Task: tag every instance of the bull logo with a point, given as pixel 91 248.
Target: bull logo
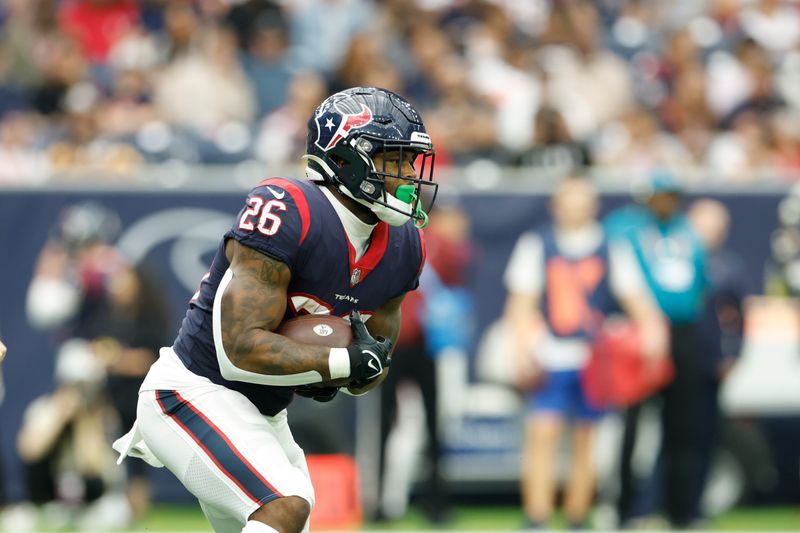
pixel 334 126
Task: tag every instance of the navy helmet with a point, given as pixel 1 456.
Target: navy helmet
pixel 349 128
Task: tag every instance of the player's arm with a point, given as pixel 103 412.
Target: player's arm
pixel 650 322
pixel 524 280
pixel 633 295
pixel 384 323
pixel 249 306
pixel 526 327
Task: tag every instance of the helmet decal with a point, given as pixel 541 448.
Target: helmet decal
pixel 328 130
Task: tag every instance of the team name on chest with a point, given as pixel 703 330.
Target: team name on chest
pixel 346 298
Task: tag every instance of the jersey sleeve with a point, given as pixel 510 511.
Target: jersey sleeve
pixel 274 220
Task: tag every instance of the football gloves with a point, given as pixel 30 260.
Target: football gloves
pixel 368 355
pixel 317 393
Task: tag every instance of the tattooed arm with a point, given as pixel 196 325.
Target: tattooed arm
pixel 249 306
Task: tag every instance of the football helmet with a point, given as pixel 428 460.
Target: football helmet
pixel 349 128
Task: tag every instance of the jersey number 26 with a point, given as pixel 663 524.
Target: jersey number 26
pixel 268 222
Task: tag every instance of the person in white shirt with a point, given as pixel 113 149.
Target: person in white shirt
pixel 562 279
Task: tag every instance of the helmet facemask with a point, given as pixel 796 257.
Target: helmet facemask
pixel 414 197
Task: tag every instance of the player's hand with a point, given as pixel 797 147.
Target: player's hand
pixel 317 393
pixel 368 355
pixel 2 351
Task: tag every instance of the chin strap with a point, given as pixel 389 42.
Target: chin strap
pixel 408 194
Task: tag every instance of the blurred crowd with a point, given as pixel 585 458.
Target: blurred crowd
pixel 104 87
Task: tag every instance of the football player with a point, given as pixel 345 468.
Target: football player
pixel 345 242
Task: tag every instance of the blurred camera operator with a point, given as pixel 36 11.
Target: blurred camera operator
pixel 85 291
pixel 63 445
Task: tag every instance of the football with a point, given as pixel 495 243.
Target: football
pixel 319 330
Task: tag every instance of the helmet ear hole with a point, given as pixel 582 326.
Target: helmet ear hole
pixel 353 170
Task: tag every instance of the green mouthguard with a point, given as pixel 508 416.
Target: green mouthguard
pixel 408 195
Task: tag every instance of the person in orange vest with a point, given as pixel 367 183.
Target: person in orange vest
pixel 562 280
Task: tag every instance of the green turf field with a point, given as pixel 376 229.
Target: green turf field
pixel 176 518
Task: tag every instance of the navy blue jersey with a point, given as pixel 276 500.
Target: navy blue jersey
pixel 293 221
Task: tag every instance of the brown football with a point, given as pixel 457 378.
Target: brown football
pixel 319 330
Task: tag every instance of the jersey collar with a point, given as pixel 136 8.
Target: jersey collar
pixel 377 236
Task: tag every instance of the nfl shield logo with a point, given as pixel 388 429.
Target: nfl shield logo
pixel 355 277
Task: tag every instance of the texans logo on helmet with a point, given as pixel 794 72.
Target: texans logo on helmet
pixel 332 126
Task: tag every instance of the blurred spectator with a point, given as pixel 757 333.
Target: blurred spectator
pixel 760 95
pixel 785 157
pixel 773 24
pixel 20 161
pixel 248 17
pixel 364 54
pixel 436 326
pixel 562 281
pixel 207 89
pixel 63 67
pixel 723 322
pixel 462 123
pixel 97 24
pixel 428 48
pixel 128 108
pixel 553 148
pixel 764 96
pixel 740 154
pixel 685 113
pixel 576 65
pixel 181 30
pixel 281 139
pixel 673 260
pixel 29 38
pixel 637 143
pixel 81 148
pixel 67 290
pixel 721 328
pixel 499 72
pixel 137 50
pixel 321 30
pixel 266 61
